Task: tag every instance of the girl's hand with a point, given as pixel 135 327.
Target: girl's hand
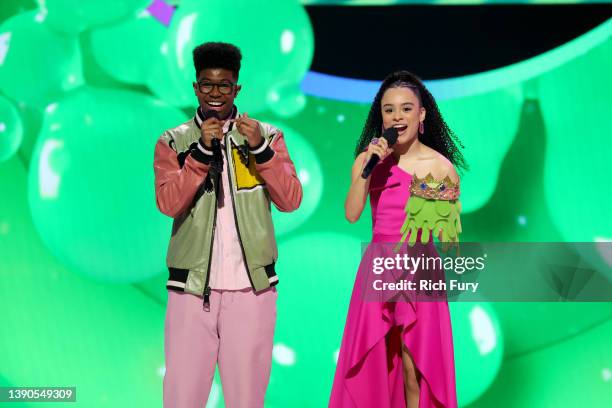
pixel 379 147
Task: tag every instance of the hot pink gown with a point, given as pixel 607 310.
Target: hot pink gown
pixel 369 373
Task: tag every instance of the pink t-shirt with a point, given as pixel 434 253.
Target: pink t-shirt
pixel 227 268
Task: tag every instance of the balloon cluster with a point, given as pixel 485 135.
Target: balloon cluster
pixel 90 181
pixel 90 178
pixel 276 53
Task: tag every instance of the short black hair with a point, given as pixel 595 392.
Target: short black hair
pixel 217 55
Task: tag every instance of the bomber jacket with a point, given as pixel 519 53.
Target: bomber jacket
pixel 186 190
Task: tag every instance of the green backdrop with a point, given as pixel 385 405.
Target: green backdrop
pixel 82 246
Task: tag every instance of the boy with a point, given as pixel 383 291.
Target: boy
pixel 216 175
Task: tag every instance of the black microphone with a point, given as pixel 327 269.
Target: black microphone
pixel 391 136
pixel 217 160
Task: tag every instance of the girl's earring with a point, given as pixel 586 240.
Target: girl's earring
pixel 421 128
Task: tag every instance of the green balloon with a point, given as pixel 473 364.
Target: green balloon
pixel 546 322
pixel 286 100
pixel 543 379
pixel 74 16
pixel 575 101
pixel 125 50
pixel 91 183
pixel 273 51
pixel 479 348
pixel 69 309
pixel 37 81
pixel 31 120
pixel 166 82
pixel 309 172
pixel 11 129
pixel 11 7
pixel 303 262
pixel 577 154
pixel 477 132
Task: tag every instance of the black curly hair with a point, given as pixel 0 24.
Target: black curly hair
pixel 437 134
pixel 217 55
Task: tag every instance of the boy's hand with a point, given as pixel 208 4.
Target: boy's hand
pixel 249 128
pixel 212 128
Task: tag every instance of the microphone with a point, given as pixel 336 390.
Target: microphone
pixel 217 160
pixel 391 136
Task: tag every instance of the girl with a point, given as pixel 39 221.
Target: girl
pixel 398 352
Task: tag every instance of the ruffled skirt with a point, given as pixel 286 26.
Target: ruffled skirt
pixel 369 372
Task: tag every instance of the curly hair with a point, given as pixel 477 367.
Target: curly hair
pixel 437 134
pixel 217 55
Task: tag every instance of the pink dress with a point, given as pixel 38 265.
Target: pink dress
pixel 369 373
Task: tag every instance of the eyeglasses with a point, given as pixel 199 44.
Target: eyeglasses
pixel 225 88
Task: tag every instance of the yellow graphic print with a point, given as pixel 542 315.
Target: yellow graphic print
pixel 246 177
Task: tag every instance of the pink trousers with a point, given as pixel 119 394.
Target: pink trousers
pixel 237 333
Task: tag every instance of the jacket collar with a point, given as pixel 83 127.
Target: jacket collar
pixel 229 129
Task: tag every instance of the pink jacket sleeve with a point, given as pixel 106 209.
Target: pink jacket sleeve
pixel 176 186
pixel 276 168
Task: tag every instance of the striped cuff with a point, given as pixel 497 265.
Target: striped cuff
pixel 262 152
pixel 271 274
pixel 202 154
pixel 177 279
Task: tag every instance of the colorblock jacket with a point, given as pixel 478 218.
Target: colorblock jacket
pixel 186 191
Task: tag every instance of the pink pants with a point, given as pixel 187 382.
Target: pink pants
pixel 237 333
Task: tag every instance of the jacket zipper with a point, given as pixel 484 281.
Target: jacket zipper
pixel 207 289
pixel 229 177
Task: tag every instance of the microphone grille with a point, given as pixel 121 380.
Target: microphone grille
pixel 211 114
pixel 391 135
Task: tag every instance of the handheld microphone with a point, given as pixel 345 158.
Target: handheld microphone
pixel 217 160
pixel 391 136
